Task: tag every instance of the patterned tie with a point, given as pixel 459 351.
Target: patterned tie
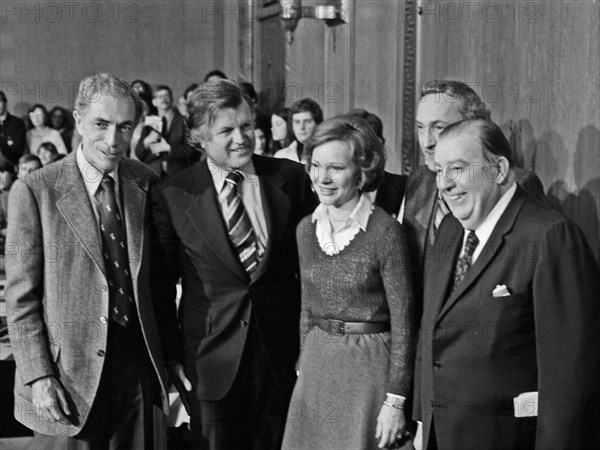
pixel 464 262
pixel 239 226
pixel 114 250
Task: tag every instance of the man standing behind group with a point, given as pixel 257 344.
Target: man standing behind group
pixel 226 226
pixel 442 104
pixel 163 145
pixel 12 134
pixel 509 342
pixel 84 334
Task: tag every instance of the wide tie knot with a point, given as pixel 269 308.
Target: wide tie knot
pixel 108 184
pixel 471 244
pixel 234 177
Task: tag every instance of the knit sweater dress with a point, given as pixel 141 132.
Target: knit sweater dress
pixel 343 380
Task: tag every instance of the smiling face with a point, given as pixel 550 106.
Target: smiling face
pixel 434 113
pixel 106 127
pixel 304 126
pixel 470 185
pixel 334 175
pixel 229 140
pixel 278 128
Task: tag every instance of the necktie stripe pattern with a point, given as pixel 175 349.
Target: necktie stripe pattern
pixel 464 262
pixel 114 250
pixel 239 225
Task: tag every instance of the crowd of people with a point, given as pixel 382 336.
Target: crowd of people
pixel 325 303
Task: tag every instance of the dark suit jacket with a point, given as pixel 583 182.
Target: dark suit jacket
pixel 181 155
pixel 390 193
pixel 219 299
pixel 56 286
pixel 478 352
pixel 421 195
pixel 12 138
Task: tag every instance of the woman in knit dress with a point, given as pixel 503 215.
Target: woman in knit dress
pixel 357 337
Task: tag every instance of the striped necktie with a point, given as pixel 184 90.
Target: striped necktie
pixel 464 262
pixel 114 250
pixel 239 225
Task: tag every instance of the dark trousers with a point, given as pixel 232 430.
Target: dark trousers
pixel 121 416
pixel 252 415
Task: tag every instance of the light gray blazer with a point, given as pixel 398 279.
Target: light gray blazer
pixel 56 291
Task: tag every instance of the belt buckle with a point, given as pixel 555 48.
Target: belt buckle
pixel 336 327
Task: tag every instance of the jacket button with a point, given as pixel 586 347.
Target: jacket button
pixel 437 364
pixel 243 323
pixel 100 353
pixel 103 319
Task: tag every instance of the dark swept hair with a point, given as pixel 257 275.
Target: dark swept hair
pixel 3 97
pixel 284 113
pixel 365 146
pixel 163 87
pixel 48 146
pixel 490 136
pixel 189 89
pixel 371 119
pixel 95 86
pixel 44 110
pixel 210 98
pixel 471 105
pixel 308 105
pixel 215 72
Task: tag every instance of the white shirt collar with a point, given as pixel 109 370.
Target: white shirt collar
pixel 219 173
pixel 333 243
pixel 485 229
pixel 92 176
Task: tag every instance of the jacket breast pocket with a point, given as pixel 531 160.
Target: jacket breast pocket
pixel 506 316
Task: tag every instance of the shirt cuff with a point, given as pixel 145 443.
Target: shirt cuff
pixel 394 398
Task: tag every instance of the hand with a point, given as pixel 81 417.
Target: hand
pixel 152 137
pixel 181 383
pixel 49 400
pixel 390 423
pixel 161 146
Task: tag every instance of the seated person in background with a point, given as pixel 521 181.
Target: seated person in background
pixel 47 153
pixel 27 164
pixel 215 75
pixel 306 115
pixel 182 101
pixel 59 121
pixel 390 192
pixel 7 177
pixel 260 144
pixel 281 129
pixel 162 144
pixel 41 132
pixel 12 134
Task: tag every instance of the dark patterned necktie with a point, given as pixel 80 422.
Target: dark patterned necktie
pixel 239 225
pixel 114 250
pixel 464 262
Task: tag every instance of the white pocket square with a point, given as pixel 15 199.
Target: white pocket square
pixel 500 291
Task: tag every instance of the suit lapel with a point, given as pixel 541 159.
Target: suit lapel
pixel 491 249
pixel 74 205
pixel 276 209
pixel 204 213
pixel 134 202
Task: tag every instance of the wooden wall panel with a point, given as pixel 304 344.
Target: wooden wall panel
pixel 44 55
pixel 537 66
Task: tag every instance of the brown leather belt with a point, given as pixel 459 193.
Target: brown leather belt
pixel 339 327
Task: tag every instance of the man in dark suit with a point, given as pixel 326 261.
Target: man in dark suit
pixel 442 103
pixel 12 134
pixel 509 343
pixel 226 226
pixel 165 148
pixel 84 335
